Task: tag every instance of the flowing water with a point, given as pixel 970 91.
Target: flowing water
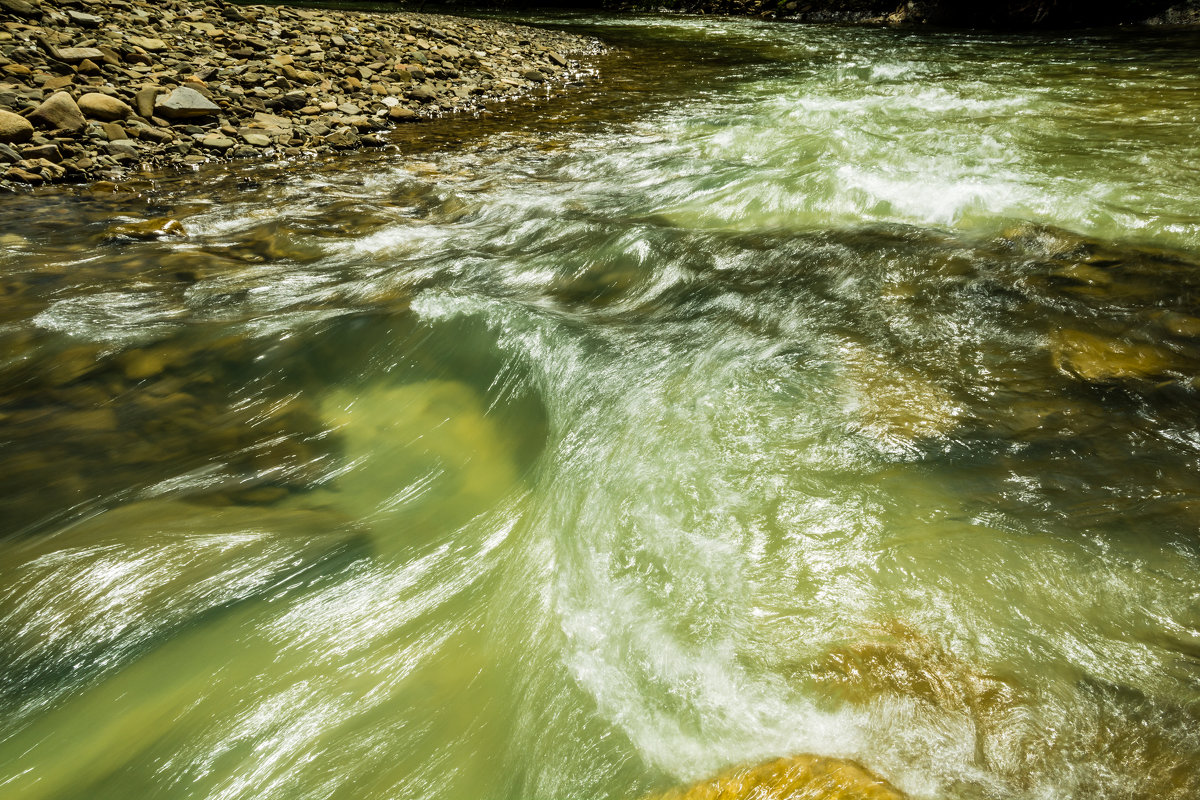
pixel 790 390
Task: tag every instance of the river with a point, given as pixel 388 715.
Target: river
pixel 790 389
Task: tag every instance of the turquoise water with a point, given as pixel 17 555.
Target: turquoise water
pixel 796 389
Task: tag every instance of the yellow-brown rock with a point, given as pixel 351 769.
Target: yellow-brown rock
pixel 1100 359
pixel 14 128
pixel 895 401
pixel 1181 325
pixel 898 661
pixel 804 777
pixel 146 230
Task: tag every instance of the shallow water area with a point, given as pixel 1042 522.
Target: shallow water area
pixel 790 390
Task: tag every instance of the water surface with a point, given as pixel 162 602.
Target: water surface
pixel 795 389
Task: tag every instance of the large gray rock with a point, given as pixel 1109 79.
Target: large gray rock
pixel 83 19
pixel 185 103
pixel 58 112
pixel 102 107
pixel 14 127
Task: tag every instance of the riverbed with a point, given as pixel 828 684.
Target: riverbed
pixel 789 390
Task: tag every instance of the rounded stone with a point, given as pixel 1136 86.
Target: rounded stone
pixel 103 107
pixel 257 139
pixel 14 127
pixel 216 141
pixel 59 112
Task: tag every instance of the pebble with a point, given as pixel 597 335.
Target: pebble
pixel 114 132
pixel 216 141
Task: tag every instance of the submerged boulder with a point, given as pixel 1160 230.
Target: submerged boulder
pixel 893 401
pixel 1181 325
pixel 146 230
pixel 804 777
pixel 896 661
pixel 1099 359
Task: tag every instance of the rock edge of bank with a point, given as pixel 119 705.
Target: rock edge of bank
pixel 995 14
pixel 92 89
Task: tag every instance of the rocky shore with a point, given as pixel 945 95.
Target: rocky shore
pixel 90 89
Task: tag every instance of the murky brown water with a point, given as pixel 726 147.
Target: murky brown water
pixel 832 391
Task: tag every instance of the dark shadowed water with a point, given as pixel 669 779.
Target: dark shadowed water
pixel 791 390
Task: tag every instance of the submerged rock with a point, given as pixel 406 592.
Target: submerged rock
pixel 895 401
pixel 429 450
pixel 805 777
pixel 128 586
pixel 1083 274
pixel 1099 359
pixel 158 228
pixel 1181 325
pixel 140 364
pixel 898 661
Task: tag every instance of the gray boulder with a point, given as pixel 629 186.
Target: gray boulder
pixel 185 103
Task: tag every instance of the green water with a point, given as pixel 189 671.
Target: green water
pixel 791 390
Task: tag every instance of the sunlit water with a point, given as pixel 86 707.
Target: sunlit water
pixel 799 390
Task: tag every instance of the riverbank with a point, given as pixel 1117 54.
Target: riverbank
pixel 92 89
pixel 994 14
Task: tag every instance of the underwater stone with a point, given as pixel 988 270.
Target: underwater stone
pixel 806 776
